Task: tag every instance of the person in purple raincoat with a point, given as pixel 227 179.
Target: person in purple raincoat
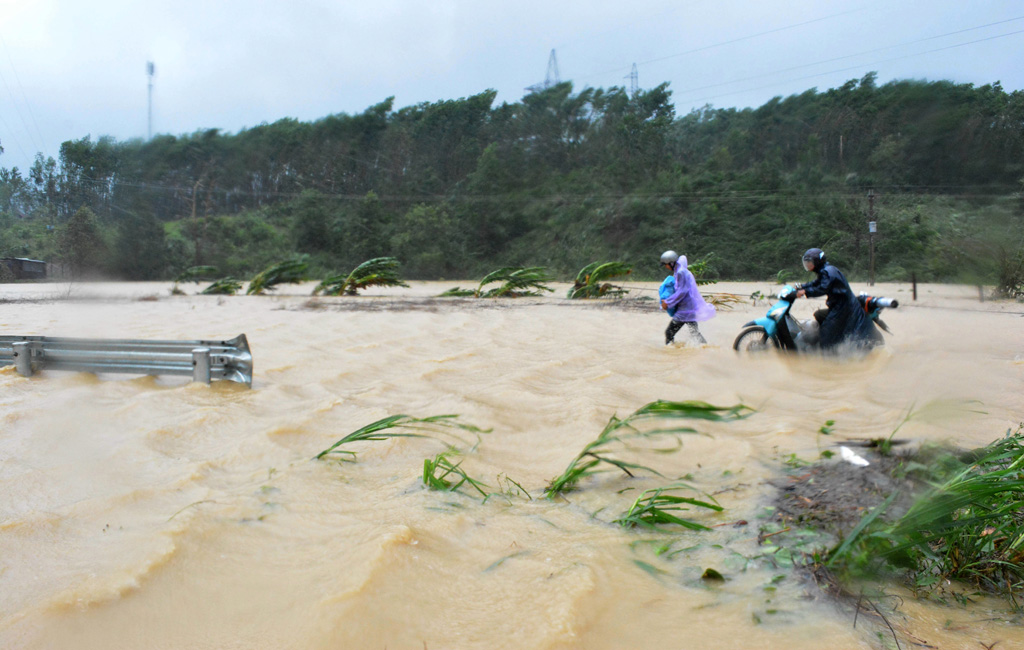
pixel 686 300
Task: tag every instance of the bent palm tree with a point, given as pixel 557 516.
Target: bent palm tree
pixel 379 271
pixel 517 281
pixel 592 280
pixel 290 272
pixel 223 287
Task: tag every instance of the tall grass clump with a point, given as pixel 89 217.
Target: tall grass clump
pixel 379 271
pixel 593 280
pixel 648 423
pixel 444 428
pixel 440 473
pixel 287 272
pixel 967 527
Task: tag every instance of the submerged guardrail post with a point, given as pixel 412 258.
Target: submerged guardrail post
pixel 201 365
pixel 23 358
pixel 202 360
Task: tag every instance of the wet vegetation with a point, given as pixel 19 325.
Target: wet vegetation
pixel 378 272
pixel 967 526
pixel 658 507
pixel 558 179
pixel 593 280
pixel 645 425
pixel 945 523
pixel 223 287
pixel 440 473
pixel 287 272
pixel 445 428
pixel 512 281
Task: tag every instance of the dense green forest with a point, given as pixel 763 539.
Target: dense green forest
pixel 559 179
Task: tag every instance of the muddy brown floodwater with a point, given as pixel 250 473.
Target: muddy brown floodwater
pixel 152 513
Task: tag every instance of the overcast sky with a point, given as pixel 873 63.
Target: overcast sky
pixel 71 68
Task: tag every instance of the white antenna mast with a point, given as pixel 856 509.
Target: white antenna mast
pixel 150 71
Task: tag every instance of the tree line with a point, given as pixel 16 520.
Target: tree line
pixel 558 179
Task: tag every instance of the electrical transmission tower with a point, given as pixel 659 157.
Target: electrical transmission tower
pixel 634 81
pixel 150 70
pixel 551 79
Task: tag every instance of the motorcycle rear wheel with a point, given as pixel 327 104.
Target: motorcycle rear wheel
pixel 754 339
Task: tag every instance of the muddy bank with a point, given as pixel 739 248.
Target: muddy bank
pixel 835 494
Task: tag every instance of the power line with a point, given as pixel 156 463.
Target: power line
pixel 850 56
pixel 17 110
pixel 21 87
pixel 729 42
pixel 860 67
pixel 10 135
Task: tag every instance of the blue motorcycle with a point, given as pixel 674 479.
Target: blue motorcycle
pixel 779 330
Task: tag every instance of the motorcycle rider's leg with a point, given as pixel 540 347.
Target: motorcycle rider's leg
pixel 695 333
pixel 670 332
pixel 820 315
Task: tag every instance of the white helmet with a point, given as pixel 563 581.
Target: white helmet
pixel 669 257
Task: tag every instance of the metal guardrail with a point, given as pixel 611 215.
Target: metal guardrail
pixel 202 360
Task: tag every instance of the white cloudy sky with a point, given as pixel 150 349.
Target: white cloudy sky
pixel 71 68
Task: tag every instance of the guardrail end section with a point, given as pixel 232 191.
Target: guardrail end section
pixel 239 367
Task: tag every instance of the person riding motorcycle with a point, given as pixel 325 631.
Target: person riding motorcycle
pixel 845 320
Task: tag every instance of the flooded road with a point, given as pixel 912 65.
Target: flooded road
pixel 147 512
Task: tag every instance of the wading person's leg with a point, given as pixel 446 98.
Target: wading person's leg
pixel 695 333
pixel 670 331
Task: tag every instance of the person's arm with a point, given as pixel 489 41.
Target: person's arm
pixel 682 288
pixel 819 287
pixel 666 289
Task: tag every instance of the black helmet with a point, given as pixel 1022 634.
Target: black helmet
pixel 816 256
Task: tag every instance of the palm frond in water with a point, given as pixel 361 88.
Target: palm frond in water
pixel 620 434
pixel 379 271
pixel 223 287
pixel 287 272
pixel 445 428
pixel 593 280
pixel 458 292
pixel 516 281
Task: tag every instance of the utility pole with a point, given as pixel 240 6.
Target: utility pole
pixel 872 228
pixel 150 70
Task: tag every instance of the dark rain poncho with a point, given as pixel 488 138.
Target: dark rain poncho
pixel 846 320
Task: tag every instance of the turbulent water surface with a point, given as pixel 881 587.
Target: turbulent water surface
pixel 145 512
